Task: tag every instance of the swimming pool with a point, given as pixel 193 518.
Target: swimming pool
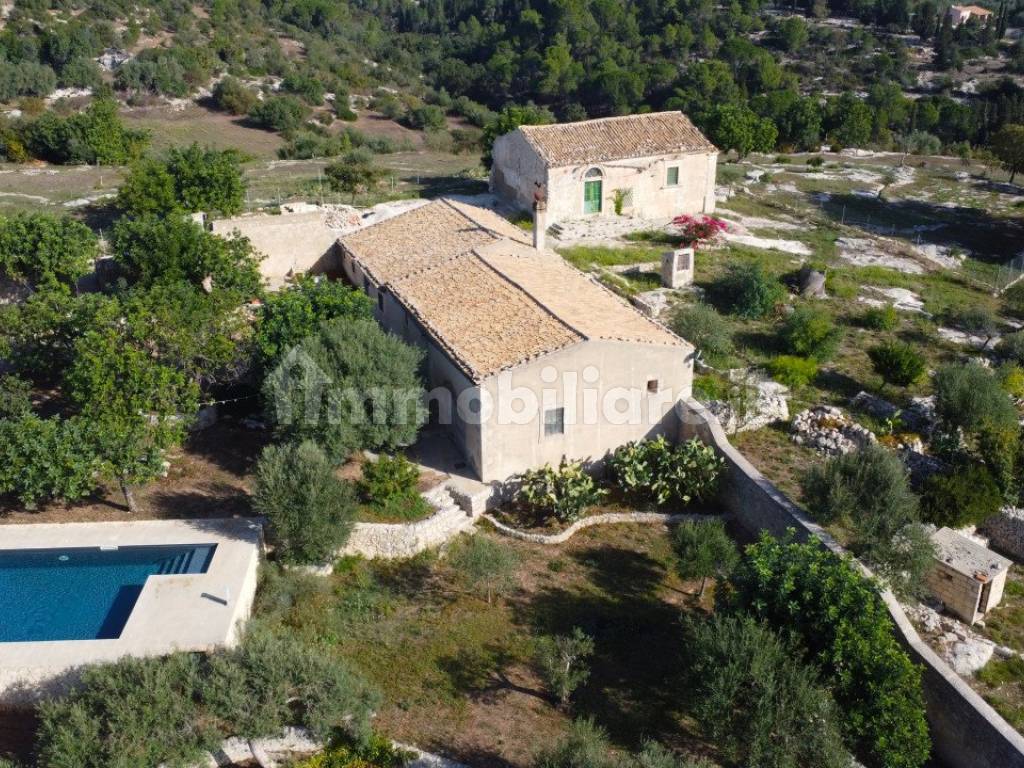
pixel 84 593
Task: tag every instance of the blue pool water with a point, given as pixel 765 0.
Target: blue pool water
pixel 83 593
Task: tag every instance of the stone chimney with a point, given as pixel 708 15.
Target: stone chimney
pixel 540 224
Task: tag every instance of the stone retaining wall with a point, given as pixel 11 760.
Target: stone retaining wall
pixel 402 540
pixel 1005 532
pixel 610 518
pixel 966 732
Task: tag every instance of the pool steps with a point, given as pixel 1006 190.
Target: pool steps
pixel 193 560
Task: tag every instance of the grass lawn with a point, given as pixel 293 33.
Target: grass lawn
pixel 457 672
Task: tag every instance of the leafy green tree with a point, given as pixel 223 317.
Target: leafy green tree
pixel 48 251
pixel 703 327
pixel 304 85
pixel 207 179
pixel 757 699
pixel 841 620
pixel 426 117
pixel 1011 347
pixel 296 311
pixel 811 332
pixel 1008 146
pixel 897 363
pixel 309 509
pixel 793 33
pixel 355 173
pixel 703 550
pixel 510 118
pixel 94 135
pixel 148 189
pixel 15 397
pixel 484 564
pixel 735 127
pixel 163 250
pixel 850 121
pixel 745 290
pixel 135 407
pixel 190 180
pixel 562 660
pixel 42 459
pixel 350 386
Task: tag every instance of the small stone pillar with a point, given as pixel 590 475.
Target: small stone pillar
pixel 677 268
pixel 540 224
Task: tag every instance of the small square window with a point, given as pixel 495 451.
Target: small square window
pixel 652 386
pixel 672 178
pixel 554 422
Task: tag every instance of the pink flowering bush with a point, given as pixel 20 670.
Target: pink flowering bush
pixel 697 230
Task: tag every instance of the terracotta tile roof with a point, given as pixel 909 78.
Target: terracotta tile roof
pixel 616 138
pixel 486 296
pixel 484 322
pixel 425 236
pixel 586 305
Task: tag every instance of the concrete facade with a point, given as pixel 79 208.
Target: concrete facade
pixel 534 341
pixel 654 186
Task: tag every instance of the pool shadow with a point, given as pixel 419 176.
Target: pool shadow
pixel 120 609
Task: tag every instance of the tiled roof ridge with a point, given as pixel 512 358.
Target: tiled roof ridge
pixel 608 119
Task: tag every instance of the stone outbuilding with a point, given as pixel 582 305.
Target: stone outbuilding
pixel 967 577
pixel 960 14
pixel 653 167
pixel 528 359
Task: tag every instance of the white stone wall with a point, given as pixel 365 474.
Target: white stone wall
pixel 515 169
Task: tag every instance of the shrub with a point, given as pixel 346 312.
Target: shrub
pixel 703 550
pixel 664 473
pixel 43 459
pixel 255 687
pixel 841 620
pixel 968 396
pixel 757 699
pixel 703 327
pixel 811 332
pixel 233 97
pixel 695 231
pixel 377 752
pixel 1011 347
pixel 389 484
pixel 794 372
pixel 375 396
pixel 586 745
pixel 309 509
pixel 15 397
pixel 881 318
pixel 562 662
pixel 1011 379
pixel 483 564
pixel 966 496
pixel 897 363
pixel 868 491
pixel 746 291
pixel 279 113
pixel 563 492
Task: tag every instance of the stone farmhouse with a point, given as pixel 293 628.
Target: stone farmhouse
pixel 530 360
pixel 960 14
pixel 656 166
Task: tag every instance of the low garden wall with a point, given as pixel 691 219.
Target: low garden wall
pixel 966 732
pixel 611 518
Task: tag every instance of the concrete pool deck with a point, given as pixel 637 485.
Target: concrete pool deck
pixel 182 612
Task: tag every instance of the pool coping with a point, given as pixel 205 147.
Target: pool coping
pixel 174 612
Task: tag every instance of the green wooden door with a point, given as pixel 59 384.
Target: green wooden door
pixel 592 196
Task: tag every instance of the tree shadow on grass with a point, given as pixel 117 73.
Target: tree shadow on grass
pixel 212 500
pixel 634 690
pixel 439 186
pixel 483 673
pixel 988 237
pixel 233 448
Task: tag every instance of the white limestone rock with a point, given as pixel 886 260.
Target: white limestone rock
pixel 969 655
